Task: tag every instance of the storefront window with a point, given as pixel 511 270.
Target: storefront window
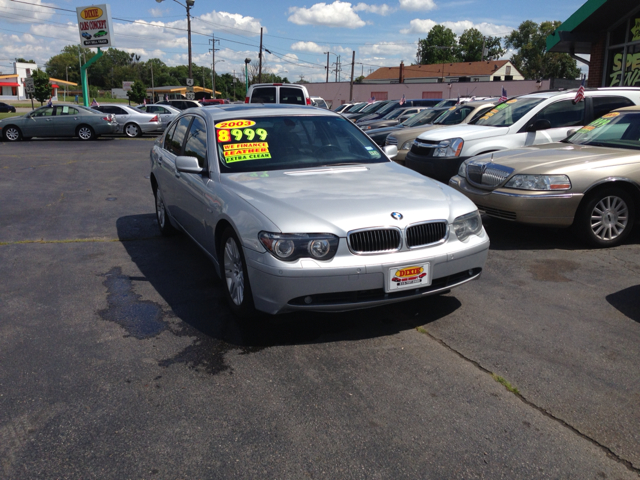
pixel 614 69
pixel 624 46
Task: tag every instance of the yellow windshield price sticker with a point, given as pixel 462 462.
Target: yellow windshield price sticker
pixel 235 124
pixel 513 101
pixel 240 152
pixel 611 115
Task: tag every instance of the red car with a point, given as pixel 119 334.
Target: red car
pixel 213 101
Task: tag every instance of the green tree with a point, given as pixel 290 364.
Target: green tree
pixel 438 47
pixel 532 58
pixel 67 60
pixel 470 46
pixel 43 89
pixel 138 92
pixel 22 60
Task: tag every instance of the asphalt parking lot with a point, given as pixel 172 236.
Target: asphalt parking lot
pixel 119 357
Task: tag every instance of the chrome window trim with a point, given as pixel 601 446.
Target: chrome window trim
pixel 368 229
pixel 439 242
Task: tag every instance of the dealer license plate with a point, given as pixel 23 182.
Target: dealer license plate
pixel 411 276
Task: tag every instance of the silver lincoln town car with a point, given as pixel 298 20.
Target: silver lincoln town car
pixel 299 210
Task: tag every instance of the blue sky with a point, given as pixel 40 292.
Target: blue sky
pixel 296 32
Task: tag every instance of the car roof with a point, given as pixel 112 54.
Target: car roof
pixel 260 110
pixel 635 108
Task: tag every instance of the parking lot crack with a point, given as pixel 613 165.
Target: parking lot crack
pixel 610 453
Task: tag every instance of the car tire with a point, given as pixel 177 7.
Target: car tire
pixel 85 132
pixel 132 130
pixel 164 223
pixel 606 217
pixel 11 133
pixel 235 279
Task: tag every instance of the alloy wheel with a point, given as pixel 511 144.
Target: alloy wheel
pixel 233 271
pixel 609 218
pixel 12 134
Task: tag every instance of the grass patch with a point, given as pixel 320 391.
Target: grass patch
pixel 505 383
pixel 10 114
pixel 422 330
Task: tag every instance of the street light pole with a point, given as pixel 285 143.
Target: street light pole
pixel 246 75
pixel 65 87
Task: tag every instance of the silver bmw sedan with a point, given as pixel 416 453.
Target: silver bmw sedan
pixel 299 210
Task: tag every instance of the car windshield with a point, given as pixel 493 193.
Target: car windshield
pixel 373 107
pixel 388 108
pixel 509 112
pixel 423 118
pixel 393 114
pixel 454 115
pixel 290 142
pixel 615 129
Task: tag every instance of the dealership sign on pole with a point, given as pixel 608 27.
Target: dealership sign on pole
pixel 95 26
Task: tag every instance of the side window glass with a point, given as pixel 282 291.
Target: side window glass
pixel 291 95
pixel 177 137
pixel 563 114
pixel 44 112
pixel 603 105
pixel 118 111
pixel 196 145
pixel 264 95
pixel 167 137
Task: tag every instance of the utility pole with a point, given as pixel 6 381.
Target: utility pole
pixel 353 63
pixel 260 59
pixel 327 67
pixel 339 68
pixel 234 85
pixel 213 64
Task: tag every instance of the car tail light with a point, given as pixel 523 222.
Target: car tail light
pixel 277 84
pixel 246 99
pixel 154 119
pixel 107 118
pixel 308 101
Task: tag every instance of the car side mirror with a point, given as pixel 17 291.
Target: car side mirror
pixel 188 165
pixel 390 151
pixel 571 132
pixel 540 124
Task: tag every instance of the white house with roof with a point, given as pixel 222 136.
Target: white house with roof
pixel 12 84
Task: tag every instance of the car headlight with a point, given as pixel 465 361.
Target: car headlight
pixel 462 171
pixel 449 148
pixel 539 182
pixel 407 145
pixel 292 246
pixel 467 225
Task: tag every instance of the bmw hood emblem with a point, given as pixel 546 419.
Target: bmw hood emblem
pixel 396 216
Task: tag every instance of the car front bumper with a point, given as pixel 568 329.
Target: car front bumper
pixel 359 280
pixel 536 208
pixel 438 168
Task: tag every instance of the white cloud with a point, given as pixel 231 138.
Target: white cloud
pixel 389 49
pixel 157 12
pixel 21 13
pixel 224 21
pixel 337 14
pixel 417 5
pixel 313 47
pixel 418 26
pixel 383 9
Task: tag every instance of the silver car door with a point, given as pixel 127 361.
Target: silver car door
pixel 192 196
pixel 39 123
pixel 169 176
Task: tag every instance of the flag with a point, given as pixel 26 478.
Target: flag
pixel 94 103
pixel 144 102
pixel 402 100
pixel 503 97
pixel 49 103
pixel 458 102
pixel 372 99
pixel 580 93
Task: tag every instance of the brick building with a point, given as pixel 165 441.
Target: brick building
pixel 609 31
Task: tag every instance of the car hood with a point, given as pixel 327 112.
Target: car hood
pixel 344 198
pixel 563 158
pixel 466 132
pixel 409 133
